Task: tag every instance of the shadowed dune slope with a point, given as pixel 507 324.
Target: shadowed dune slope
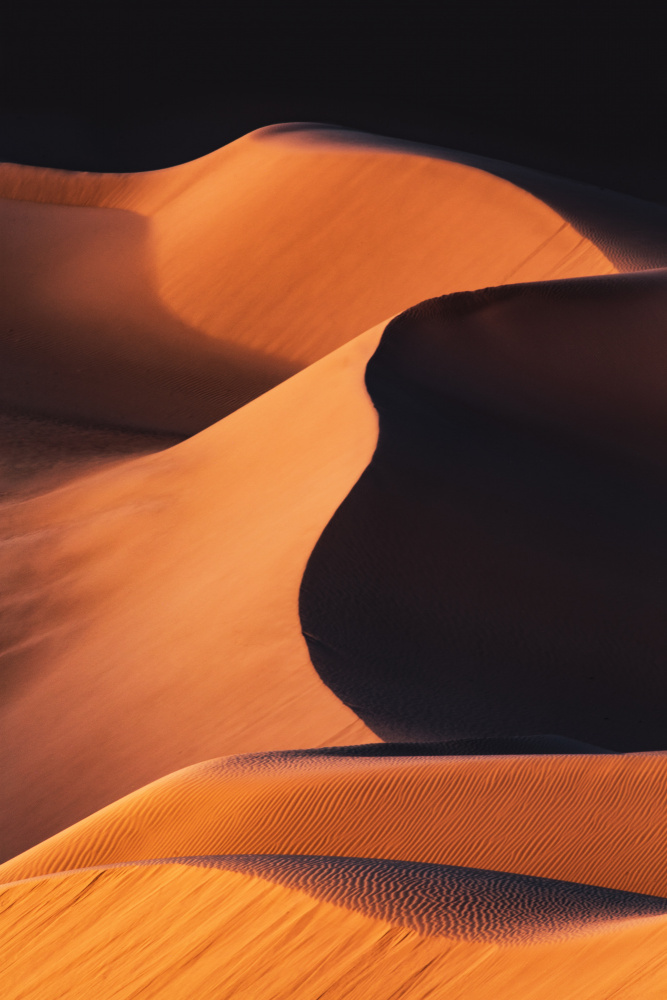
pixel 496 572
pixel 468 904
pixel 174 930
pixel 167 299
pixel 150 605
pixel 594 819
pixel 500 567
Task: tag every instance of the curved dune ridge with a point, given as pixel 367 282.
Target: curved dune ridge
pixel 445 901
pixel 313 926
pixel 200 286
pixel 598 819
pixel 467 904
pixel 518 493
pixel 166 930
pixel 151 607
pixel 490 568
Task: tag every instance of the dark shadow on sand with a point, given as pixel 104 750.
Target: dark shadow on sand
pixel 500 569
pixel 444 900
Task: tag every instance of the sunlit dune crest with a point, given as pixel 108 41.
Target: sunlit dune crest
pixel 148 599
pixel 185 431
pixel 598 819
pixel 197 287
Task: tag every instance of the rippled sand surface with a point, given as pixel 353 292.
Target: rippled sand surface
pixel 195 365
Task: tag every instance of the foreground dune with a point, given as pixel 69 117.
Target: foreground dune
pixel 492 575
pixel 183 930
pixel 304 915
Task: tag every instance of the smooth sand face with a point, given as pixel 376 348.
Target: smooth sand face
pixel 518 494
pixel 151 603
pixel 154 605
pixel 196 288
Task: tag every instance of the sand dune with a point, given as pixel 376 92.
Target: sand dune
pixel 165 300
pixel 151 612
pixel 595 819
pixel 280 922
pixel 495 572
pixel 518 493
pixel 151 616
pixel 174 930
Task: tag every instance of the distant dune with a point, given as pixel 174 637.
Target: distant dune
pixel 185 431
pixel 165 300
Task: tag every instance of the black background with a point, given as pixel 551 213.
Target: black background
pixel 569 88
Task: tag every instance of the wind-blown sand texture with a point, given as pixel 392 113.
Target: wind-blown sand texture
pixel 502 543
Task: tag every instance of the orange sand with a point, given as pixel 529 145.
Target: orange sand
pixel 171 931
pixel 195 288
pixel 598 819
pixel 150 602
pixel 152 614
pixel 154 604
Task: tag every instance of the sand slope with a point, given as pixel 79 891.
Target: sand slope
pixel 176 930
pixel 150 609
pixel 150 588
pixel 266 925
pixel 595 819
pixel 167 299
pixel 518 495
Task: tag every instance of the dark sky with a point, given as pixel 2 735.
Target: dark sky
pixel 561 87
